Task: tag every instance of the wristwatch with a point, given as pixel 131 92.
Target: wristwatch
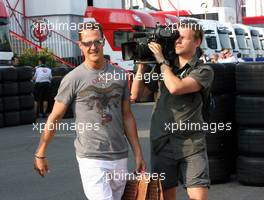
pixel 165 62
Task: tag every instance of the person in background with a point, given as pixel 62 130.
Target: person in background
pixel 42 78
pixel 239 57
pixel 226 56
pixel 14 61
pixel 107 59
pixel 214 58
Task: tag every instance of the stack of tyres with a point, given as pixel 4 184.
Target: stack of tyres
pixel 250 119
pixel 25 92
pixel 57 75
pixel 10 98
pixel 221 136
pixel 16 99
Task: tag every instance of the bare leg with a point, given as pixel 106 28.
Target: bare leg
pixel 170 194
pixel 45 107
pixel 199 193
pixel 36 107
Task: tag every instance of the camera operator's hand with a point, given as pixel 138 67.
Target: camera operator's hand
pixel 157 51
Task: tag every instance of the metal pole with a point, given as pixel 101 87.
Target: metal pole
pixel 24 13
pixel 178 8
pixel 144 3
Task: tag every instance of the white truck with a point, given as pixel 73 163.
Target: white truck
pixel 253 42
pixel 261 39
pixel 238 40
pixel 216 36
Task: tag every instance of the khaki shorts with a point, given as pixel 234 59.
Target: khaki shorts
pixel 192 171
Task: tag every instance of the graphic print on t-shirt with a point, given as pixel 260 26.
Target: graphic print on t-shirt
pixel 103 100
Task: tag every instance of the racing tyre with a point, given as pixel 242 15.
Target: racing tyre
pixel 250 141
pixel 250 170
pixel 1 90
pixel 10 89
pixel 1 105
pixel 1 120
pixel 224 108
pixel 224 78
pixel 9 74
pixel 26 102
pixel 11 103
pixel 24 73
pixel 11 118
pixel 25 87
pixel 27 116
pixel 218 169
pixel 249 78
pixel 214 143
pixel 250 110
pixel 59 71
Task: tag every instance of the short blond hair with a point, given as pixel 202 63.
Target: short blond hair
pixel 90 26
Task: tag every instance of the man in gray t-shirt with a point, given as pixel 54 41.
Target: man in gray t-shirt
pixel 99 95
pixel 179 153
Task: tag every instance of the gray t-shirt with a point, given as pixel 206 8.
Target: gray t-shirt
pixel 96 97
pixel 171 132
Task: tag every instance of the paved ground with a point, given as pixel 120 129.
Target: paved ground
pixel 18 180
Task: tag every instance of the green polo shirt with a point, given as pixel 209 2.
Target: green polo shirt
pixel 174 132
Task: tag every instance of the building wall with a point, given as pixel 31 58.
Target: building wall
pixel 254 7
pixel 55 7
pixel 50 7
pixel 108 3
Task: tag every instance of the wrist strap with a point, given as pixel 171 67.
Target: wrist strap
pixel 40 157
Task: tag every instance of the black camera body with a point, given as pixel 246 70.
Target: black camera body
pixel 137 48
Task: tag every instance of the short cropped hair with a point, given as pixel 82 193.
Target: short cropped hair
pixel 42 60
pixel 195 26
pixel 107 57
pixel 90 26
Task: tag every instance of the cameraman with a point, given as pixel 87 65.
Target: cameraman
pixel 180 154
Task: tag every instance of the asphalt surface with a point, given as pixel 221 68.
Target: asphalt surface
pixel 18 180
